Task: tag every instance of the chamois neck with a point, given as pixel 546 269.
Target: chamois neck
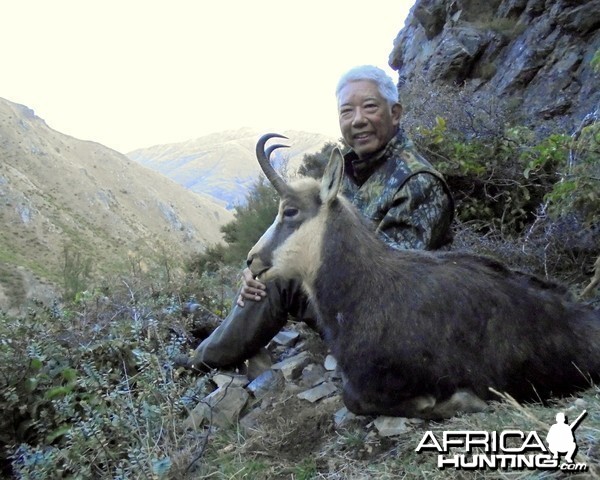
pixel 350 251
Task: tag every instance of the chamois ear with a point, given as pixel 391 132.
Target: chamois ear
pixel 332 178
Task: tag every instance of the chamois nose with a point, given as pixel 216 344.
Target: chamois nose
pixel 249 262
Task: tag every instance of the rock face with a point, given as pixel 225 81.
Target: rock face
pixel 535 54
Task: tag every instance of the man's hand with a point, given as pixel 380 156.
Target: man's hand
pixel 251 289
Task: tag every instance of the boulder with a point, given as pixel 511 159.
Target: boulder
pixel 390 426
pixel 317 393
pixel 286 338
pixel 533 57
pixel 292 367
pixel 221 408
pixel 269 382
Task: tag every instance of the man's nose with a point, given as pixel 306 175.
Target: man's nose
pixel 359 118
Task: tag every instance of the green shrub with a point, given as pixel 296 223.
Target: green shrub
pixel 595 62
pixel 578 191
pixel 76 271
pixel 89 391
pixel 313 164
pixel 498 182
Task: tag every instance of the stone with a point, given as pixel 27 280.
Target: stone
pixel 343 417
pixel 189 308
pixel 251 421
pixel 334 375
pixel 578 405
pixel 390 426
pixel 582 19
pixel 330 363
pixel 333 399
pixel 286 338
pixel 317 393
pixel 313 374
pixel 231 379
pixel 431 15
pixel 221 408
pixel 270 381
pixel 292 367
pixel 456 54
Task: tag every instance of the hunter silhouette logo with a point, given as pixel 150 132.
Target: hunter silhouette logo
pixel 506 449
pixel 560 437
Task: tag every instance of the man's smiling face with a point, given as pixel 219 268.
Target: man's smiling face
pixel 367 121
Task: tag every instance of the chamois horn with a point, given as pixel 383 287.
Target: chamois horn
pixel 263 159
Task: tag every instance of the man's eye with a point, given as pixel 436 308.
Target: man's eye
pixel 290 212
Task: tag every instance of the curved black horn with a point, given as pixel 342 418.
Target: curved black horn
pixel 263 159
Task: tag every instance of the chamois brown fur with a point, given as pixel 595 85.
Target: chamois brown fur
pixel 414 332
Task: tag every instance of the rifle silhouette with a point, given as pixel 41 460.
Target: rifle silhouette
pixel 574 425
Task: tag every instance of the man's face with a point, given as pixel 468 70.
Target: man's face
pixel 367 121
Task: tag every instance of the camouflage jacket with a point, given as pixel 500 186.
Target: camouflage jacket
pixel 406 198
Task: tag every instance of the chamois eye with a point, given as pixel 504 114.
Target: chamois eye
pixel 290 212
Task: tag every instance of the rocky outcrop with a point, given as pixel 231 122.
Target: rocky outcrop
pixel 535 54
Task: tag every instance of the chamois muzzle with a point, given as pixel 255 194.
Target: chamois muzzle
pixel 265 164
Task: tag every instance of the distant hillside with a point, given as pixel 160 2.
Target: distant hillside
pixel 223 164
pixel 57 191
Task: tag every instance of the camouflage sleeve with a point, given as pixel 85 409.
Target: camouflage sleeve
pixel 420 215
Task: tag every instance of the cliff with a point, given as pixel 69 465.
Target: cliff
pixel 534 55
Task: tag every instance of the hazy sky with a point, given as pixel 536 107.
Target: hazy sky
pixel 135 73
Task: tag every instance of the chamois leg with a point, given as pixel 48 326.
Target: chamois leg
pixel 461 401
pixel 424 406
pixel 411 407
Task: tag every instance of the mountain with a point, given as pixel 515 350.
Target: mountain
pixel 223 165
pixel 537 56
pixel 59 192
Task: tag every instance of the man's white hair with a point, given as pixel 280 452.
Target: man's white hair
pixel 385 84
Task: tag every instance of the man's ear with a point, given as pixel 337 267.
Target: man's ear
pixel 332 178
pixel 396 114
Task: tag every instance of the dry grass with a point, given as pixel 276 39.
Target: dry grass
pixel 321 451
pixel 293 439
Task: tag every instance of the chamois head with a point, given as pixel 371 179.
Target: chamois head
pixel 291 245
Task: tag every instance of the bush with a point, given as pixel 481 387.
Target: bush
pixel 578 191
pixel 313 165
pixel 90 391
pixel 498 182
pixel 532 201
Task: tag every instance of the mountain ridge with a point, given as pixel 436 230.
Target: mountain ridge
pixel 223 164
pixel 59 192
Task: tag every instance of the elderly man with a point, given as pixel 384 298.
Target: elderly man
pixel 406 199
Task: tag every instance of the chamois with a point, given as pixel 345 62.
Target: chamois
pixel 417 333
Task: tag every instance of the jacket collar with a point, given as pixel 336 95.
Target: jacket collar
pixel 359 170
